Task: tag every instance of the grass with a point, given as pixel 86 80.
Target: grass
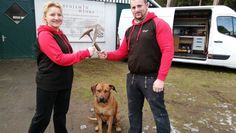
pixel 198 98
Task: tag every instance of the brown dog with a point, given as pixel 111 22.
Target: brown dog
pixel 105 107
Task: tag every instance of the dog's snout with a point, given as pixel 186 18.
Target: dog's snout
pixel 102 100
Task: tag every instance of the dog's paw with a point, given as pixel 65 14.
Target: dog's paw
pixel 118 129
pixel 96 128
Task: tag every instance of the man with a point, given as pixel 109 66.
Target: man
pixel 148 43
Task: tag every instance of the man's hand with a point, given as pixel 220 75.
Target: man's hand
pixel 158 85
pixel 102 55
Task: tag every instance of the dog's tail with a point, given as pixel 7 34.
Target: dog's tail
pixel 92 118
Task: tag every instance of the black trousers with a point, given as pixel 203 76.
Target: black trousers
pixel 140 87
pixel 46 101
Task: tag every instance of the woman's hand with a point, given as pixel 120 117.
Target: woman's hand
pixel 91 50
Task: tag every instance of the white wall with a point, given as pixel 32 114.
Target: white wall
pixel 109 43
pixel 110 27
pixel 76 22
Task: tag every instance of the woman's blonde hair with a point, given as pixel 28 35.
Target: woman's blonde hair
pixel 51 4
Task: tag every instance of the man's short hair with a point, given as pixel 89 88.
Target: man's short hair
pixel 145 1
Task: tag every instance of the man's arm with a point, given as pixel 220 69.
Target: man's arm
pixel 118 54
pixel 165 41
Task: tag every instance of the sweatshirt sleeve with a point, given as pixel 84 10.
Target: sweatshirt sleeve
pixel 49 46
pixel 120 53
pixel 165 41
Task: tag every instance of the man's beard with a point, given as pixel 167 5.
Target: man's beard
pixel 143 16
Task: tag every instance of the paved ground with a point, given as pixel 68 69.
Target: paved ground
pixel 17 94
pixel 17 100
pixel 205 109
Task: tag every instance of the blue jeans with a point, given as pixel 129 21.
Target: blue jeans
pixel 138 88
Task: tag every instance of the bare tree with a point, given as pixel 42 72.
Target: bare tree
pixel 168 3
pixel 216 2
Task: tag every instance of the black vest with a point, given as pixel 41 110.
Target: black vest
pixel 144 53
pixel 51 76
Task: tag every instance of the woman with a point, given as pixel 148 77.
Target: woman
pixel 54 78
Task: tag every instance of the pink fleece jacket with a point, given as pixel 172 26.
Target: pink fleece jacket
pixel 49 46
pixel 164 39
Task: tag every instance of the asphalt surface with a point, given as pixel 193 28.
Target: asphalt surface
pixel 17 100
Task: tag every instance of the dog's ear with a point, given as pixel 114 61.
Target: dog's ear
pixel 93 88
pixel 113 87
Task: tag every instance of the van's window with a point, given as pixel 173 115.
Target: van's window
pixel 234 23
pixel 227 25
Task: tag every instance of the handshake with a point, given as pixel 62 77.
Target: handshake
pixel 101 54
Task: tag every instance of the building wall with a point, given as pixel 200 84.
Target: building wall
pixel 17 32
pixel 109 42
pixel 79 16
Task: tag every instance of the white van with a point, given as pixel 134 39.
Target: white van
pixel 202 34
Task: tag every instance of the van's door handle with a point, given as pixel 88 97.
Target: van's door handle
pixel 218 41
